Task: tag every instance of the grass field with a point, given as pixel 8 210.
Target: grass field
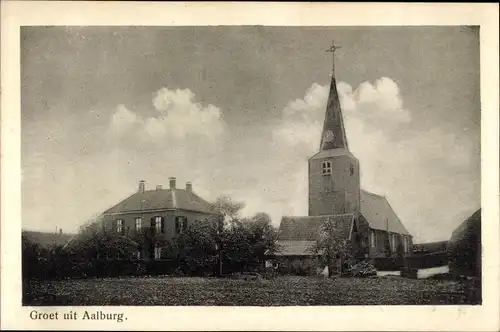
pixel 282 291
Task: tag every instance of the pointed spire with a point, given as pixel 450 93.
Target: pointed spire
pixel 333 136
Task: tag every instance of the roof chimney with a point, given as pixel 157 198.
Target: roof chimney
pixel 172 183
pixel 142 186
pixel 189 187
pixel 159 187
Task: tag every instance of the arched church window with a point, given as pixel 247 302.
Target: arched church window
pixel 351 169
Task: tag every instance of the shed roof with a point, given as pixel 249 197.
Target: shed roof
pixel 379 213
pixel 307 228
pixel 160 199
pixel 295 248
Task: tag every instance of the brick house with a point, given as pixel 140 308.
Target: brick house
pixel 364 219
pixel 154 218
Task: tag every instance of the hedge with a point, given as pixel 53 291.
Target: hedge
pixel 66 269
pixel 423 261
pixel 427 260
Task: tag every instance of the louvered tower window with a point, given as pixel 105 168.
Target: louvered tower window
pixel 326 167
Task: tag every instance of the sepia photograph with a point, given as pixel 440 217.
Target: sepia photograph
pixel 250 165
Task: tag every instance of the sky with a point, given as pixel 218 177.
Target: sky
pixel 238 110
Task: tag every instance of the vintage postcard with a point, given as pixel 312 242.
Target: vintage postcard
pixel 263 167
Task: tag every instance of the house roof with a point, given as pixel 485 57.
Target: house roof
pixel 47 239
pixel 295 248
pixel 160 199
pixel 379 213
pixel 307 228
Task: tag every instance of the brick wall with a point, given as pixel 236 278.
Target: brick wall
pixel 379 250
pixel 337 193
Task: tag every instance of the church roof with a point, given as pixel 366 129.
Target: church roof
pixel 307 228
pixel 379 213
pixel 162 199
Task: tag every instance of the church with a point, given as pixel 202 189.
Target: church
pixel 365 220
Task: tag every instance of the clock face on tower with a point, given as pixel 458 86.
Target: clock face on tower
pixel 328 136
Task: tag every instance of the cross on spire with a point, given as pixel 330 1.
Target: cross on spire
pixel 332 49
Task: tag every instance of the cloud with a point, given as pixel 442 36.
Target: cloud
pixel 183 139
pixel 123 121
pixel 178 118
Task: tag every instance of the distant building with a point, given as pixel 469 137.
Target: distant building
pixel 159 216
pixel 430 247
pixel 365 219
pixel 47 240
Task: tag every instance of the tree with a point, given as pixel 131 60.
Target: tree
pixel 95 241
pixel 197 248
pixel 330 245
pixel 233 242
pixel 263 235
pixel 229 209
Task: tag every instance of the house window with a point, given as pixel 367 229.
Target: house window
pixel 159 224
pixel 119 226
pixel 181 224
pixel 326 167
pixel 138 225
pixel 373 239
pixel 157 253
pixel 351 170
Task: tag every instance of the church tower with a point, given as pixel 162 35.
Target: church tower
pixel 334 184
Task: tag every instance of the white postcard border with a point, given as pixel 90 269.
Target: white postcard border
pixel 442 318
